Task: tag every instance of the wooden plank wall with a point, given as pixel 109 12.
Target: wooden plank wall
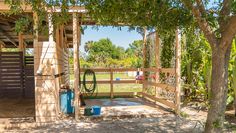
pixel 46 94
pixel 29 77
pixel 11 74
pixel 66 67
pixel 63 62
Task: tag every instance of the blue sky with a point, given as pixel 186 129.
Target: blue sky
pixel 119 37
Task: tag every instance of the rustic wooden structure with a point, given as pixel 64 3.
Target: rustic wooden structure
pixel 51 67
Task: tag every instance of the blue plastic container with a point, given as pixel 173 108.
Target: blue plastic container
pixel 117 79
pixel 96 110
pixel 66 99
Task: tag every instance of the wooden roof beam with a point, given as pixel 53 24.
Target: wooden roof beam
pixel 2 43
pixel 2 33
pixel 27 8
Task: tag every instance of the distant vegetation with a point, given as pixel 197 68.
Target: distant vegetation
pixel 104 53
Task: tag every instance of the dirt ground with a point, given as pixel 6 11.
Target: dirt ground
pixel 161 124
pixel 15 108
pixel 192 120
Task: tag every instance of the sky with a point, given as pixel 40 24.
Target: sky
pixel 118 37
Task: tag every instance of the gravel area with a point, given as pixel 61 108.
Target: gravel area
pixel 161 124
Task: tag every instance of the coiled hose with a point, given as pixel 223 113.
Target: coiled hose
pixel 90 88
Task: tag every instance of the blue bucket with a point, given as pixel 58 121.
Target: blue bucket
pixel 66 99
pixel 96 110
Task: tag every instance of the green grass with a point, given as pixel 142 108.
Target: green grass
pixel 120 87
pixel 104 76
pixel 116 87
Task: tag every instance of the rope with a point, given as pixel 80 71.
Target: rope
pixel 90 90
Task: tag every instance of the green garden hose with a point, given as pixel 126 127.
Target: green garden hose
pixel 91 89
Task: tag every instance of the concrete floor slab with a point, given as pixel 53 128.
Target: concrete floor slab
pixel 125 107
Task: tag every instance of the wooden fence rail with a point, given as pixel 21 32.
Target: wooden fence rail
pixel 145 82
pixel 111 81
pixel 158 85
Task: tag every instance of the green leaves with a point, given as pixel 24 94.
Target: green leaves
pixel 22 24
pixel 167 52
pixel 144 13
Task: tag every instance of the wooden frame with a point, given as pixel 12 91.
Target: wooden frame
pixel 76 42
pixel 177 71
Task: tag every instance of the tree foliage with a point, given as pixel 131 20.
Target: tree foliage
pixel 104 53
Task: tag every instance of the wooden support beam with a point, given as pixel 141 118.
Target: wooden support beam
pixel 27 8
pixel 4 34
pixel 59 54
pixel 177 71
pixel 76 41
pixel 21 43
pixel 55 65
pixel 50 26
pixel 35 27
pixel 35 41
pixel 157 55
pixel 111 84
pixel 62 44
pixel 144 57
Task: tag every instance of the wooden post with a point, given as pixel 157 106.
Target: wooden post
pixel 144 59
pixel 21 46
pixel 50 26
pixel 62 37
pixel 35 41
pixel 56 71
pixel 157 55
pixel 177 72
pixel 20 40
pixel 0 47
pixel 111 83
pixel 76 64
pixel 59 55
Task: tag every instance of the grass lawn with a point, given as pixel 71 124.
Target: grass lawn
pixel 117 87
pixel 104 76
pixel 120 87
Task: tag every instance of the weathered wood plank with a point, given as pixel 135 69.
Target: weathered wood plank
pixel 177 71
pixel 163 101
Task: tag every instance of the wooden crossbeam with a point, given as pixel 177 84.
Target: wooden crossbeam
pixel 27 8
pixel 2 33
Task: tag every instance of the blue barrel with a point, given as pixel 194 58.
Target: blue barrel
pixel 66 98
pixel 96 110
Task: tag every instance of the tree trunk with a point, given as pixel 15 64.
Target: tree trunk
pixel 219 88
pixel 234 104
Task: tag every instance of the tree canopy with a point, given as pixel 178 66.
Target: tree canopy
pixel 103 53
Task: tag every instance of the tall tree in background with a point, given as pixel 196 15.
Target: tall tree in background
pixel 135 50
pixel 102 50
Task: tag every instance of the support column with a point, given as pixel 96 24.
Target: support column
pixel 0 47
pixel 157 56
pixel 144 59
pixel 35 43
pixel 76 41
pixel 177 71
pixel 21 43
pixel 111 84
pixel 60 56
